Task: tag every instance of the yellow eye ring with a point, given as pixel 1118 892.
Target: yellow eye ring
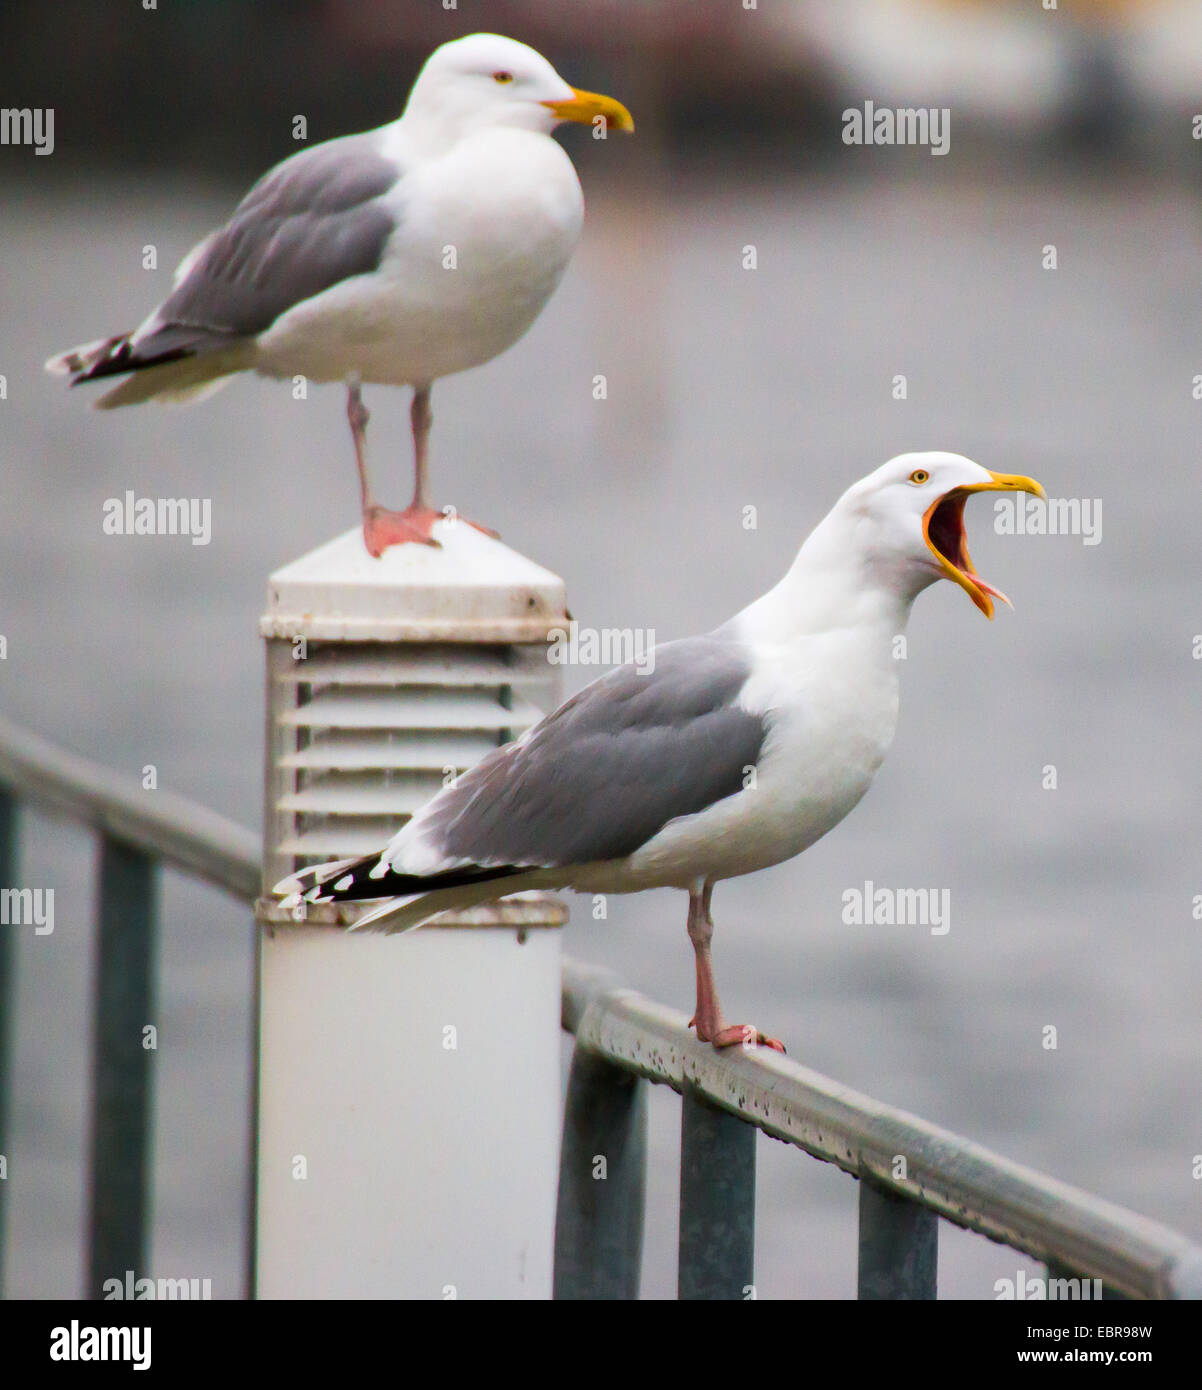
pixel 920 475
pixel 502 77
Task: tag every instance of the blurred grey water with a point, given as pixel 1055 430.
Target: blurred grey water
pixel 727 388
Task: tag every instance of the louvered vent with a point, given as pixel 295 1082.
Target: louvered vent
pixel 379 693
pixel 367 733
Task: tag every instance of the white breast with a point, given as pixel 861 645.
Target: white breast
pixel 484 234
pixel 831 702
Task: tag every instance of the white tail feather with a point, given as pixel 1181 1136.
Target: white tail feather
pixel 315 873
pixel 173 383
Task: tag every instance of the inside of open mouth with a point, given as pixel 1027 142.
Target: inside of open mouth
pixel 945 530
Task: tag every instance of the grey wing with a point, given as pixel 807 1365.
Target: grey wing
pixel 605 772
pixel 308 224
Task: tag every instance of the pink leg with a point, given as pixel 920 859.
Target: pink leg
pixel 357 416
pixel 708 1017
pixel 381 527
pixel 421 417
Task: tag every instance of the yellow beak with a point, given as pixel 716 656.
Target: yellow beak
pixel 1006 482
pixel 585 107
pixel 948 544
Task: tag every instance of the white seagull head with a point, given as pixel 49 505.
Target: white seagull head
pixel 485 80
pixel 907 518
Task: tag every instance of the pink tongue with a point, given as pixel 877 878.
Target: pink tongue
pixel 989 589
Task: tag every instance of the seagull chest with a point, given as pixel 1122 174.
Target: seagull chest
pixel 830 706
pixel 483 236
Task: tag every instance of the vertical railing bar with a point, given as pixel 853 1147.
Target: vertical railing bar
pixel 120 1177
pixel 8 1003
pixel 602 1182
pixel 717 1202
pixel 899 1246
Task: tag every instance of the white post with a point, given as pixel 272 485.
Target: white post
pixel 409 1087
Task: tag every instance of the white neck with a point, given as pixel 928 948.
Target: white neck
pixel 833 583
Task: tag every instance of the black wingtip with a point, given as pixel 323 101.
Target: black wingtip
pixel 360 881
pixel 126 360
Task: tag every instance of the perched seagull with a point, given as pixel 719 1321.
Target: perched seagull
pixel 738 750
pixel 398 256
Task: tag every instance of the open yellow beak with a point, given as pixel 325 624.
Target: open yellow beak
pixel 585 107
pixel 943 530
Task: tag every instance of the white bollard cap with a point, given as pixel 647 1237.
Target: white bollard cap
pixel 472 589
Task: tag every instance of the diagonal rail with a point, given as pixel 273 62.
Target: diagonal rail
pixel 164 826
pixel 896 1154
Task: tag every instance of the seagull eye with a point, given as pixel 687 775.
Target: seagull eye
pixel 920 475
pixel 502 77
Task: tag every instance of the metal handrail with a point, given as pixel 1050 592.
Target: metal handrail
pixel 163 826
pixel 622 1037
pixel 959 1180
pixel 138 830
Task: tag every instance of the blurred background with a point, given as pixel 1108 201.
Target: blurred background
pixel 728 388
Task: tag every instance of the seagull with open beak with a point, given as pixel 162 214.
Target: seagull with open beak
pixel 734 751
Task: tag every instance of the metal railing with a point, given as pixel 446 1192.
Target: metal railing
pixel 912 1173
pixel 137 834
